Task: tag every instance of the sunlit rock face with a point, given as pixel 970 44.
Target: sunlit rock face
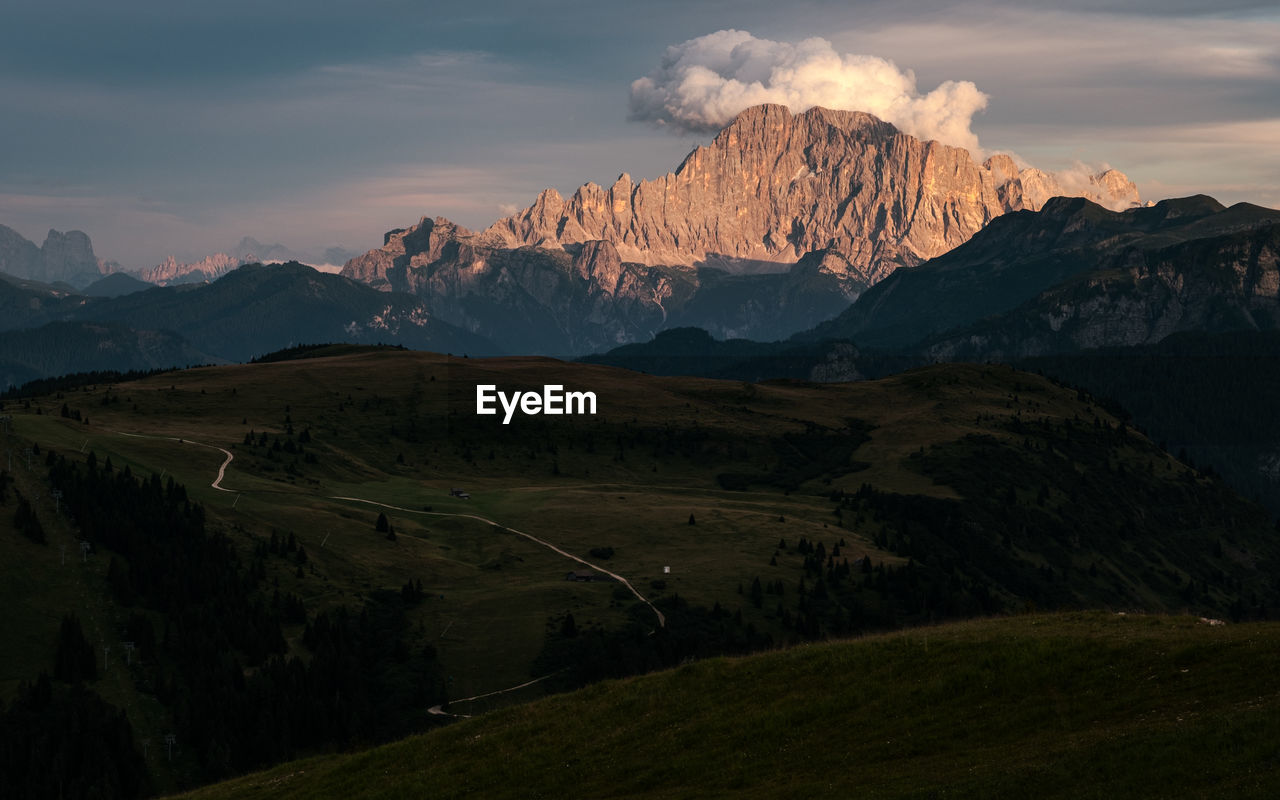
pixel 774 185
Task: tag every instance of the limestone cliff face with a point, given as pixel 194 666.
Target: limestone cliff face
pixel 527 299
pixel 582 298
pixel 69 257
pixel 66 257
pixel 19 256
pixel 773 186
pixel 387 267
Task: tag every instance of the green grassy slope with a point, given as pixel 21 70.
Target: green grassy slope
pixel 970 490
pixel 398 428
pixel 1079 705
pixel 42 583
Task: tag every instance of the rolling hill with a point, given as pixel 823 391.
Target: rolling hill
pixel 331 588
pixel 1080 705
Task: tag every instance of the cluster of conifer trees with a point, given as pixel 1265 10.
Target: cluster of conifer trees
pixel 209 644
pixel 42 387
pixel 1210 395
pixel 24 517
pixel 63 741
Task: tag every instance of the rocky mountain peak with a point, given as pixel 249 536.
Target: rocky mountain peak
pixel 1002 167
pixel 69 257
pixel 172 271
pixel 1115 183
pixel 415 246
pixel 66 257
pixel 19 256
pixel 70 245
pixel 773 185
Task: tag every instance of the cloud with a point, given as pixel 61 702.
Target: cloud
pixel 703 83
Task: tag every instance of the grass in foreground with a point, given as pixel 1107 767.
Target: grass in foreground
pixel 1074 705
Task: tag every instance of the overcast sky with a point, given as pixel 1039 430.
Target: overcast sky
pixel 159 128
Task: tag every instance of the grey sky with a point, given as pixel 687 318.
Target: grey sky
pixel 160 128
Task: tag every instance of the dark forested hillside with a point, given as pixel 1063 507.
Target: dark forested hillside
pixel 60 348
pixel 61 741
pixel 257 309
pixel 46 331
pixel 210 646
pixel 1212 397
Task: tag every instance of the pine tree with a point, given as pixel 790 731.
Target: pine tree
pixel 74 660
pixel 26 521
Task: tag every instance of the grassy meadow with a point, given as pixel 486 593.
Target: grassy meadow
pixel 1085 705
pixel 688 488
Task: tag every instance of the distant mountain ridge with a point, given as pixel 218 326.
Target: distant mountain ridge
pixel 584 298
pixel 115 285
pixel 250 311
pixel 61 348
pixel 172 272
pixel 259 308
pixel 69 258
pixel 64 257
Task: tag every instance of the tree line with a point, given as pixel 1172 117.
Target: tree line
pixel 208 628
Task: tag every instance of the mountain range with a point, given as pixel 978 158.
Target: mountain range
pixel 171 271
pixel 1070 277
pixel 68 258
pixel 797 229
pixel 779 223
pixel 1076 275
pixel 46 331
pixel 582 298
pixel 773 186
pixel 64 257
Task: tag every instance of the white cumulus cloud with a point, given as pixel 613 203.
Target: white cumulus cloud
pixel 703 83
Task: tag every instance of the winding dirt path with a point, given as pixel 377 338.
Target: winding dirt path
pixel 440 712
pixel 662 620
pixel 222 470
pixel 436 710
